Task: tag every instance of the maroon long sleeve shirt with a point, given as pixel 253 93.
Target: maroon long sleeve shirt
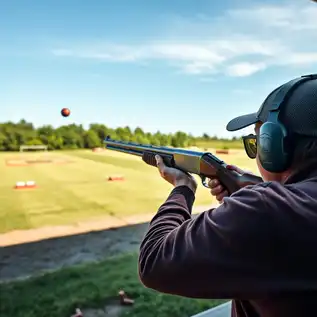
pixel 258 248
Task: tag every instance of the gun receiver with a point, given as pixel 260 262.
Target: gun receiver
pixel 204 164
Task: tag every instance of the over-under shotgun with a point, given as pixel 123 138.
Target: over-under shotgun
pixel 204 164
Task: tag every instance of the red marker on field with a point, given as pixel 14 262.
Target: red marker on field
pixel 65 112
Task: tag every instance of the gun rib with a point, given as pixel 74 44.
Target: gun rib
pixel 125 150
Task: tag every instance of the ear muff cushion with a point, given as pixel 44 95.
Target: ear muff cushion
pixel 272 150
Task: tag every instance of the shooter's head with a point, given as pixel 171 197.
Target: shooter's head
pixel 285 129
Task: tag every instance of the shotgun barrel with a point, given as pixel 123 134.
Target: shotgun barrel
pixel 204 164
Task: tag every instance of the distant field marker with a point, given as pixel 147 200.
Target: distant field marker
pixel 25 185
pixel 222 151
pixel 115 178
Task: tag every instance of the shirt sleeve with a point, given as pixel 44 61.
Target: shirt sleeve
pixel 221 253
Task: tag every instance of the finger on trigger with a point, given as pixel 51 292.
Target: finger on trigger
pixel 213 183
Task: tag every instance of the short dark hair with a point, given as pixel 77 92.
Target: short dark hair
pixel 304 148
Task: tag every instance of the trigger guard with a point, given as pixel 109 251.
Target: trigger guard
pixel 203 181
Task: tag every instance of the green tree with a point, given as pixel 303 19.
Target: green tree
pixel 34 142
pixel 101 130
pixel 55 142
pixel 91 139
pixel 142 139
pixel 74 136
pixel 123 134
pixel 138 131
pixel 3 144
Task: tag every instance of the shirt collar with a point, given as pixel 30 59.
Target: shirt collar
pixel 304 171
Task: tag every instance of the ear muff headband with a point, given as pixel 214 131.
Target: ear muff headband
pixel 274 139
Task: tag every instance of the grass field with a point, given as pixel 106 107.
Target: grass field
pixel 79 190
pixel 93 286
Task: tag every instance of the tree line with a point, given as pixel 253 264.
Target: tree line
pixel 73 136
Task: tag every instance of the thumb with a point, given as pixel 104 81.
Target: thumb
pixel 159 161
pixel 235 168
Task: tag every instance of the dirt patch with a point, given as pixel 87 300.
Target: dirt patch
pixel 25 236
pixel 111 310
pixel 38 160
pixel 222 152
pixel 29 259
pixel 86 242
pixel 98 149
pixel 15 162
pixel 108 222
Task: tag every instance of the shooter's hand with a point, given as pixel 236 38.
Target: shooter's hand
pixel 217 190
pixel 175 176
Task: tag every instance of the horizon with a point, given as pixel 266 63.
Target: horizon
pixel 232 137
pixel 141 64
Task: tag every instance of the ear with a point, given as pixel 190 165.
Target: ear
pixel 257 126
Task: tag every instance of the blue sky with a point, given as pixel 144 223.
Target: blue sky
pixel 161 65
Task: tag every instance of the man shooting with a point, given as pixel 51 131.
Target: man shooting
pixel 259 247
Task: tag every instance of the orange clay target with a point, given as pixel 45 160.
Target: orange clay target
pixel 65 112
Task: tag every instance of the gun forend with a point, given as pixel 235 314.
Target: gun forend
pixel 204 164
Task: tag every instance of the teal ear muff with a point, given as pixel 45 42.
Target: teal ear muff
pixel 273 140
pixel 272 145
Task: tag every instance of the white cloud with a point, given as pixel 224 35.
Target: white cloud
pixel 301 58
pixel 292 16
pixel 239 43
pixel 114 53
pixel 244 69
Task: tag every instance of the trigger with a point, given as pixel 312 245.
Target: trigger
pixel 203 181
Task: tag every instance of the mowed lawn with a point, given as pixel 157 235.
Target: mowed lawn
pixel 93 285
pixel 79 190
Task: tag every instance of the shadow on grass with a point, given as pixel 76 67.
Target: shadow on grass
pixel 90 272
pixel 29 259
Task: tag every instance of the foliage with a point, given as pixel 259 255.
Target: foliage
pixel 91 286
pixel 73 136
